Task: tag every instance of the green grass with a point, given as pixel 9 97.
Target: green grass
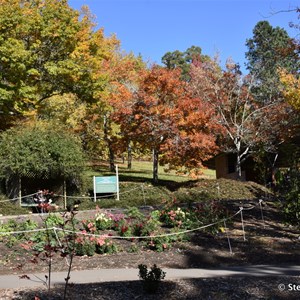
pixel 137 188
pixel 142 171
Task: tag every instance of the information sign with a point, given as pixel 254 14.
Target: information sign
pixel 106 185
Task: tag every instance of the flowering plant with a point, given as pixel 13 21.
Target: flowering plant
pixel 159 244
pixel 85 245
pixel 176 217
pixel 89 245
pixel 89 226
pixel 103 221
pixel 123 228
pixel 105 245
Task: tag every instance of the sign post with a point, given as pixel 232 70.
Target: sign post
pixel 117 177
pixel 106 185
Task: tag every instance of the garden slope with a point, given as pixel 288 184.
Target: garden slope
pixel 266 239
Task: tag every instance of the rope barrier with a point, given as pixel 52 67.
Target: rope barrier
pixel 99 197
pixel 143 237
pixel 122 237
pixel 77 197
pixel 81 197
pixel 25 231
pixel 249 208
pixel 17 198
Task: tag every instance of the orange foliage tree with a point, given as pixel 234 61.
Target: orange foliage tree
pixel 104 134
pixel 161 116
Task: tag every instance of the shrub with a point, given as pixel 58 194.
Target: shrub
pixel 103 221
pixel 42 150
pixel 151 278
pixel 209 212
pixel 105 245
pixel 123 227
pixel 289 189
pixel 176 217
pixel 194 216
pixel 85 245
pixel 159 244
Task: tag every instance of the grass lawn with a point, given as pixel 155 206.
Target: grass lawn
pixel 142 170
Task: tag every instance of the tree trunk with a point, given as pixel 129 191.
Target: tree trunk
pixel 238 166
pixel 20 191
pixel 155 165
pixel 112 166
pixel 129 157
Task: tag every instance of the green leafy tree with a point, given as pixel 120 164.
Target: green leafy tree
pixel 269 50
pixel 183 60
pixel 42 150
pixel 48 48
pixel 271 54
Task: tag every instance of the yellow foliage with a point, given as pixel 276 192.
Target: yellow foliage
pixel 292 89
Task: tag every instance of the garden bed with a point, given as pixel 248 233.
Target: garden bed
pixel 264 240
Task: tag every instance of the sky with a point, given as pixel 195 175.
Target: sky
pixel 152 28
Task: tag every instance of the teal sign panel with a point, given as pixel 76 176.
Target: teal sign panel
pixel 106 184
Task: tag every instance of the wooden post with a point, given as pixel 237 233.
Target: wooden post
pixel 117 182
pixel 94 184
pixel 20 191
pixel 65 194
pixel 143 194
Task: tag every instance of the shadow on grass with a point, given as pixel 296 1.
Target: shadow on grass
pixel 171 185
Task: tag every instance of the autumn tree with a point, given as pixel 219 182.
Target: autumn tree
pixel 246 123
pixel 289 77
pixel 270 51
pixel 47 48
pixel 194 140
pixel 121 71
pixel 66 110
pixel 291 94
pixel 92 120
pixel 158 118
pixel 291 90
